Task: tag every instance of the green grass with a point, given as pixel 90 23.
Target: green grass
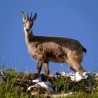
pixel 83 95
pixel 61 85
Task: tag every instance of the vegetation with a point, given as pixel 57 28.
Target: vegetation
pixel 61 85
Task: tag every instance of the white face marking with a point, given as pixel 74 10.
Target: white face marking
pixel 26 30
pixel 27 25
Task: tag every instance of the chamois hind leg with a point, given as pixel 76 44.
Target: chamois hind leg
pixel 46 68
pixel 74 61
pixel 76 67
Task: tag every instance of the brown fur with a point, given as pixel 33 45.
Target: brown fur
pixel 55 49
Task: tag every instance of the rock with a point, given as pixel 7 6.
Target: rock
pixel 64 74
pixel 77 76
pixel 96 76
pixel 1 80
pixel 1 72
pixel 72 77
pixel 45 85
pixel 57 74
pixel 38 79
pixel 1 76
pixel 80 76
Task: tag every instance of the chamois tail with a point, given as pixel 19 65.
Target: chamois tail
pixel 84 50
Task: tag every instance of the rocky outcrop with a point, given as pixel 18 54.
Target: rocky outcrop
pixel 34 83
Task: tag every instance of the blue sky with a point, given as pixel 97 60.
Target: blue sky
pixel 77 19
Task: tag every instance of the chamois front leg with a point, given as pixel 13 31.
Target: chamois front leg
pixel 46 68
pixel 41 60
pixel 39 65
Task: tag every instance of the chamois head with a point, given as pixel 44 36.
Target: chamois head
pixel 28 21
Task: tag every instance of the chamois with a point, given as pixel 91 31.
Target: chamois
pixel 55 49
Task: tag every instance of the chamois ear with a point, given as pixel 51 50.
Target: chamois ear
pixel 23 17
pixel 35 15
pixel 27 15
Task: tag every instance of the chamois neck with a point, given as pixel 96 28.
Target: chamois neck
pixel 29 36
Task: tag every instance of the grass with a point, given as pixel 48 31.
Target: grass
pixel 83 95
pixel 61 85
